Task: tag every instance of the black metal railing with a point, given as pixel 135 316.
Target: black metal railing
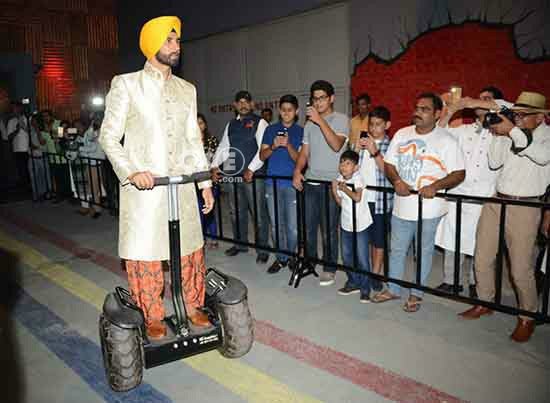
pixel 93 181
pixel 307 261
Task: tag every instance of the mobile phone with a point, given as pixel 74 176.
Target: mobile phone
pixel 72 130
pixel 364 135
pixel 60 131
pixel 25 101
pixel 456 93
pixel 282 134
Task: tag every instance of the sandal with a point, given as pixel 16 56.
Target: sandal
pixel 413 304
pixel 384 296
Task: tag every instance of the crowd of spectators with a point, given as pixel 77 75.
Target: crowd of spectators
pixel 332 160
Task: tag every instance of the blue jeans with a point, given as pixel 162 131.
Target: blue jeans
pixel 208 221
pixel 316 209
pixel 245 200
pixel 287 222
pixel 402 234
pixel 356 279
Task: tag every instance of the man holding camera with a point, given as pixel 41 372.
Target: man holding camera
pixel 474 139
pixel 521 150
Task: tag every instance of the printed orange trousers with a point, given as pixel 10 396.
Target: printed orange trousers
pixel 146 280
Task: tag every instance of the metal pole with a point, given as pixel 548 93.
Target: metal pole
pixel 500 253
pixel 175 259
pixel 458 232
pixel 419 243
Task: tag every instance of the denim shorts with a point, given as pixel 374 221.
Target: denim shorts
pixel 376 229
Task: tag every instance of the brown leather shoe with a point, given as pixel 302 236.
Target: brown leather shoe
pixel 475 312
pixel 199 318
pixel 524 329
pixel 156 330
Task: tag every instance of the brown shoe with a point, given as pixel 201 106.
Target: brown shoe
pixel 156 330
pixel 199 318
pixel 524 329
pixel 475 312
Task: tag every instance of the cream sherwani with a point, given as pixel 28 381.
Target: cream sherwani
pixel 157 118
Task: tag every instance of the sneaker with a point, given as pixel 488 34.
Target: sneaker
pixel 233 251
pixel 364 299
pixel 448 288
pixel 276 266
pixel 326 278
pixel 348 289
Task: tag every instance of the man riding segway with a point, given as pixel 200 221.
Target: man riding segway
pixel 159 165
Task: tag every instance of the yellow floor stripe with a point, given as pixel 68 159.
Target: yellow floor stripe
pixel 247 382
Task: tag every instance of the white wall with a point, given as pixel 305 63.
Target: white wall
pixel 270 60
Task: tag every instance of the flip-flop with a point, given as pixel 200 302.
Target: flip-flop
pixel 412 306
pixel 384 296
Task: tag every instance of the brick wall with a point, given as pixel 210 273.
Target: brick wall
pixel 471 55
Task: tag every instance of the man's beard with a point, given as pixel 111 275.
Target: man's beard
pixel 166 59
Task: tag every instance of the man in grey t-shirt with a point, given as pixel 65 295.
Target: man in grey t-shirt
pixel 325 134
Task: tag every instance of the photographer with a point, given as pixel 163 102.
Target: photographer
pixel 522 153
pixel 92 157
pixel 18 135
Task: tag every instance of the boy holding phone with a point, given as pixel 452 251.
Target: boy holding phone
pixel 372 146
pixel 281 144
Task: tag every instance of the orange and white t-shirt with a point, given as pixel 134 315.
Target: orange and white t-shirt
pixel 420 160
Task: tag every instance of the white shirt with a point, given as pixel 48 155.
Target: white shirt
pixel 474 142
pixel 527 173
pixel 480 180
pixel 362 212
pixel 20 143
pixel 367 168
pixel 420 160
pixel 223 150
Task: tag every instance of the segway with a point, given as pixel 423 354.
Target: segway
pixel 124 342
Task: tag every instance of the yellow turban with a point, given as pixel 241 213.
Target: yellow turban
pixel 154 34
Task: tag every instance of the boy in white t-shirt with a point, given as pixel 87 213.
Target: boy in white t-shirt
pixel 426 158
pixel 355 218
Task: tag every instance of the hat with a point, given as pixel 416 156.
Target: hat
pixel 154 33
pixel 531 101
pixel 243 95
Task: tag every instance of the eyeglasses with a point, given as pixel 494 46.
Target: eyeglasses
pixel 322 98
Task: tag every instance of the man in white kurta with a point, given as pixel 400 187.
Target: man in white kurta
pixel 156 114
pixel 474 140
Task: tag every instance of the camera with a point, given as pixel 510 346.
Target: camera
pixel 364 134
pixel 492 118
pixel 25 101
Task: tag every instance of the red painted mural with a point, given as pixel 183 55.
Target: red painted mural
pixel 470 55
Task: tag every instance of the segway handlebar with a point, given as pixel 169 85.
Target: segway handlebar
pixel 182 179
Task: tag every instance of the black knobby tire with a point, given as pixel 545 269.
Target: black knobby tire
pixel 238 329
pixel 122 355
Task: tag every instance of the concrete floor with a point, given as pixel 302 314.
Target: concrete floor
pixel 311 344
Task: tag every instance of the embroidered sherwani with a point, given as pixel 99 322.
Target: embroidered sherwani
pixel 157 118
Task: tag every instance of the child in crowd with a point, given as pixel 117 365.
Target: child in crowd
pixel 355 220
pixel 372 147
pixel 281 144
